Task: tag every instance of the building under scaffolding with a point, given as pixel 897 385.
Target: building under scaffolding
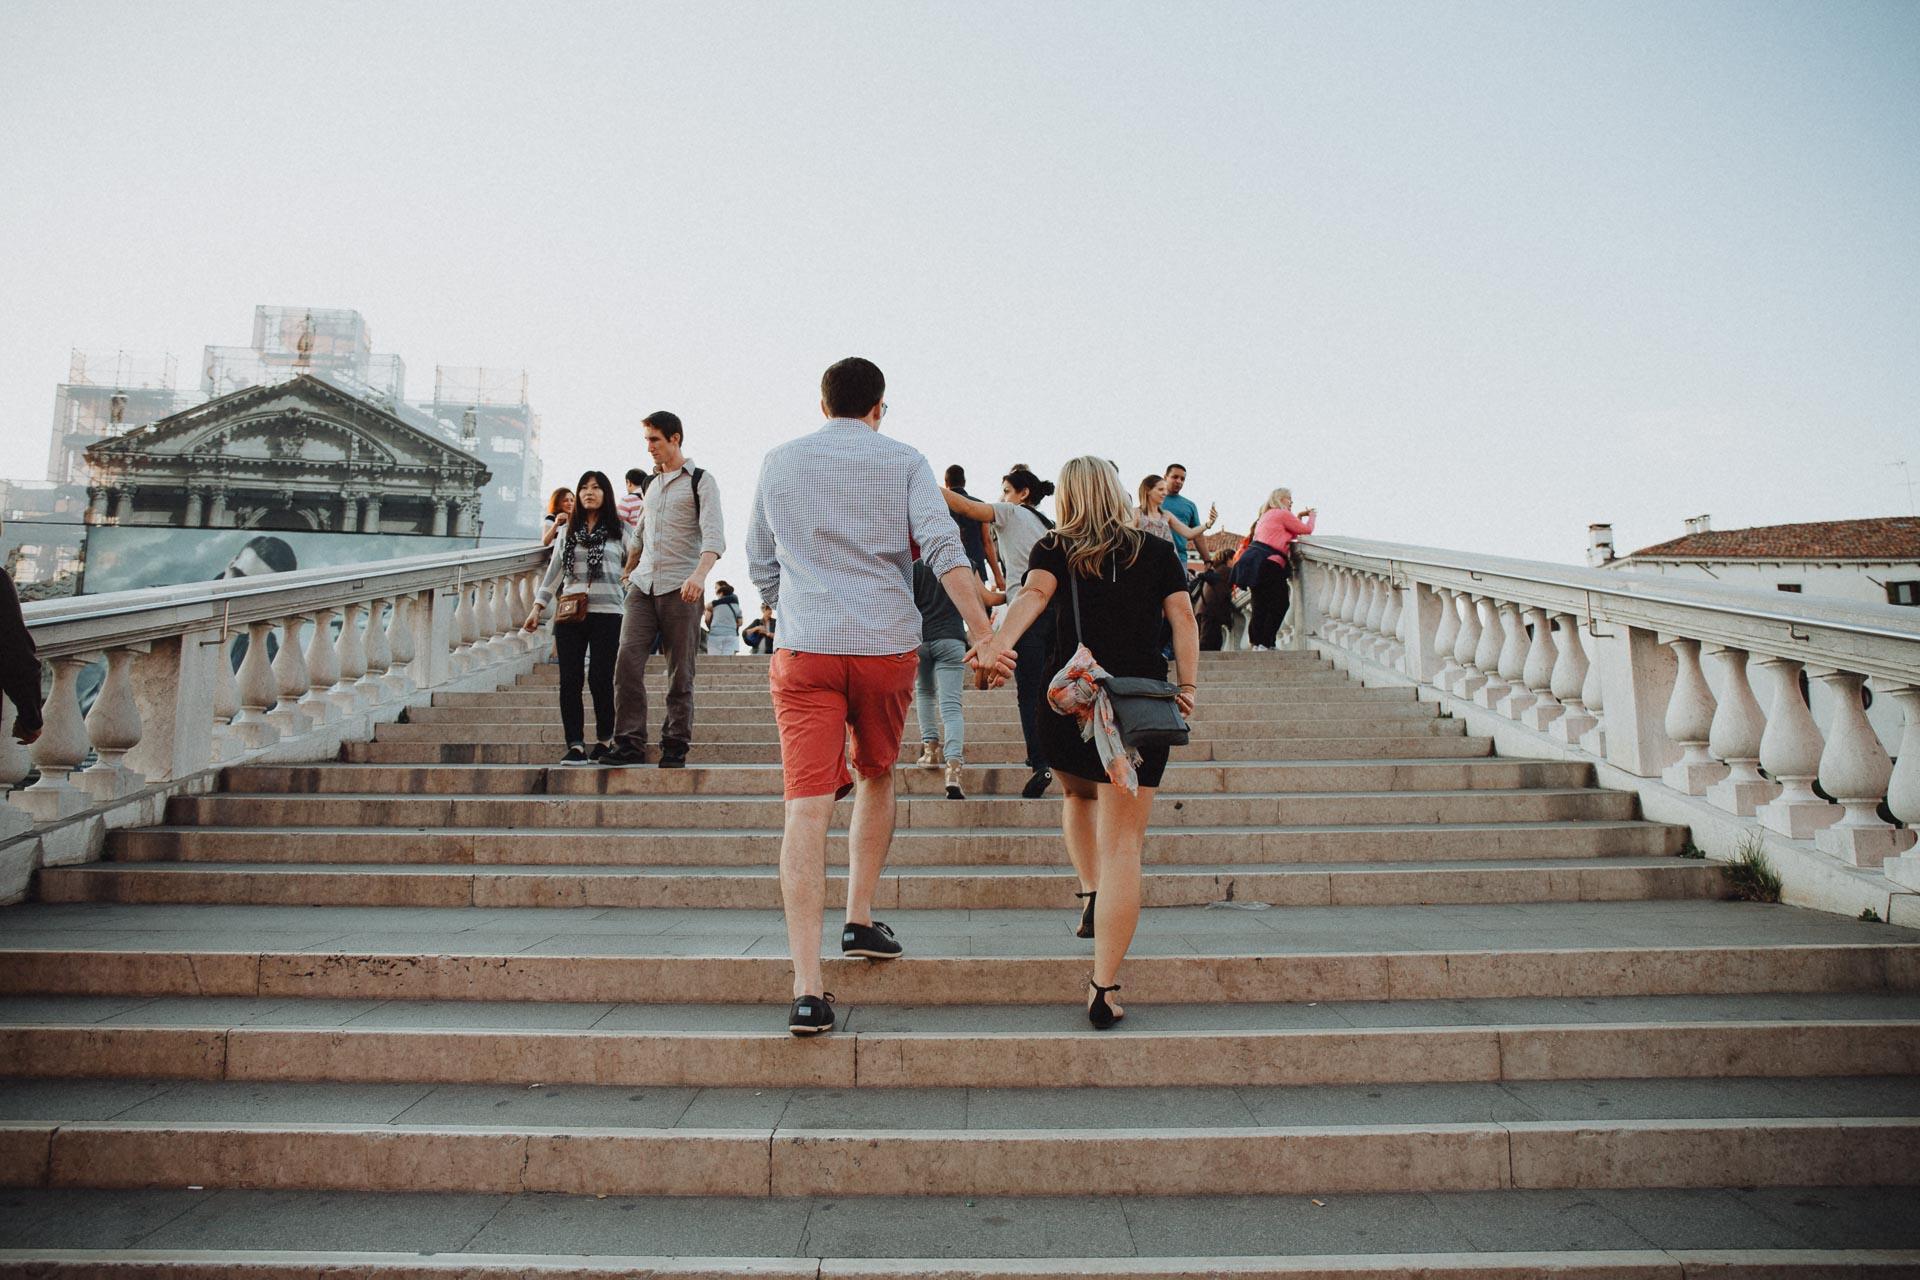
pixel 330 343
pixel 107 394
pixel 486 412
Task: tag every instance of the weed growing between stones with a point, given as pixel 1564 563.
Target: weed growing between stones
pixel 1869 916
pixel 1751 873
pixel 1690 850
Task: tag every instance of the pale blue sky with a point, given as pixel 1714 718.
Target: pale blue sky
pixel 1466 275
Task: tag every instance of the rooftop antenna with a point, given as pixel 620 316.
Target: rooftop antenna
pixel 1908 483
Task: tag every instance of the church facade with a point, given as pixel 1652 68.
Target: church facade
pixel 298 455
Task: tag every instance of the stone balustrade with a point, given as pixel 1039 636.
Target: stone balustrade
pixel 209 674
pixel 1752 704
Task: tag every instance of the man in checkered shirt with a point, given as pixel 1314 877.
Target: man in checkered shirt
pixel 830 541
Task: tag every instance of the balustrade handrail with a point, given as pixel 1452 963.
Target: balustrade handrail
pixel 1872 639
pixel 81 624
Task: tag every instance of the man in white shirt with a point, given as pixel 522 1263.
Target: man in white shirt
pixel 680 538
pixel 829 544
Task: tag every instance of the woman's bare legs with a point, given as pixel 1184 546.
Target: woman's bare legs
pixel 1121 823
pixel 1078 823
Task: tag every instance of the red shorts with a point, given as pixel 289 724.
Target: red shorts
pixel 820 700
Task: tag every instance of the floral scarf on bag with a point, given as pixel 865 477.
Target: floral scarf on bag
pixel 1078 690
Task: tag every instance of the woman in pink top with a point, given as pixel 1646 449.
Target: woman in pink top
pixel 1272 591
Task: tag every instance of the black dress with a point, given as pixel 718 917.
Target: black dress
pixel 1122 609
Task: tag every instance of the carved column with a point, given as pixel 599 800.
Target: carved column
pixel 290 673
pixel 97 497
pixel 1542 656
pixel 123 505
pixel 1513 663
pixel 1738 723
pixel 350 653
pixel 193 508
pixel 1445 634
pixel 113 727
pixel 217 513
pixel 259 690
pixel 378 655
pixel 1486 655
pixel 439 517
pixel 370 523
pixel 400 636
pixel 1569 683
pixel 323 670
pixel 1689 723
pixel 1790 753
pixel 1466 645
pixel 1855 770
pixel 60 749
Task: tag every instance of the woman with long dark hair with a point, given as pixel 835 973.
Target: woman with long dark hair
pixel 583 571
pixel 1017 525
pixel 1108 585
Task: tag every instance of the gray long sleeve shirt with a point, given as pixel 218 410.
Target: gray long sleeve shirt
pixel 828 540
pixel 672 539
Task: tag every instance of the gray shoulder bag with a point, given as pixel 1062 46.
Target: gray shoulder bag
pixel 1144 710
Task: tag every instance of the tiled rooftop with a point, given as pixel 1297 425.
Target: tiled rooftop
pixel 1887 538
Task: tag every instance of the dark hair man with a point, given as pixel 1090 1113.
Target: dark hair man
pixel 680 537
pixel 630 501
pixel 829 543
pixel 975 537
pixel 1181 508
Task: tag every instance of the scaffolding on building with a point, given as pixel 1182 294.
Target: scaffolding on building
pixel 477 386
pixel 330 343
pixel 107 394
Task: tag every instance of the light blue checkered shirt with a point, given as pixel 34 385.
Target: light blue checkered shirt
pixel 827 543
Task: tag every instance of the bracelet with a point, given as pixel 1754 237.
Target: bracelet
pixel 1186 686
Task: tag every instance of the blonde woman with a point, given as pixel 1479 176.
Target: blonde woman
pixel 1277 527
pixel 1128 583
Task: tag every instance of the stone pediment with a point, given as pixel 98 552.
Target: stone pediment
pixel 303 423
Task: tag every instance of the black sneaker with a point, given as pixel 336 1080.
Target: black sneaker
pixel 810 1015
pixel 575 755
pixel 874 941
pixel 672 757
pixel 1037 785
pixel 597 753
pixel 624 753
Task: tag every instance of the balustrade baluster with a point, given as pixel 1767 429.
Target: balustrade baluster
pixel 399 677
pixel 1855 771
pixel 378 651
pixel 461 659
pixel 1446 633
pixel 486 623
pixel 259 690
pixel 1486 654
pixel 113 728
pixel 1738 723
pixel 350 651
pixel 61 748
pixel 1569 681
pixel 323 670
pixel 1513 664
pixel 1333 627
pixel 1468 682
pixel 1393 648
pixel 1543 655
pixel 1375 609
pixel 228 744
pixel 1903 787
pixel 530 641
pixel 1689 723
pixel 289 716
pixel 15 763
pixel 1593 694
pixel 1790 751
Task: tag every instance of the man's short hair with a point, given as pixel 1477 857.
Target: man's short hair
pixel 274 553
pixel 636 476
pixel 956 476
pixel 667 424
pixel 852 387
pixel 1175 466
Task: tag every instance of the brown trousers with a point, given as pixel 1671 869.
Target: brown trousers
pixel 677 624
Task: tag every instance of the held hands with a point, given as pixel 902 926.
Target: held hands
pixel 993 661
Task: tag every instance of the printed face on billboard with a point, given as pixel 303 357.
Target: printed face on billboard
pixel 129 557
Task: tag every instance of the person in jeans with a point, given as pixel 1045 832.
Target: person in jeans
pixel 760 632
pixel 975 535
pixel 680 538
pixel 1277 527
pixel 830 544
pixel 1128 582
pixel 585 562
pixel 943 674
pixel 1017 524
pixel 723 620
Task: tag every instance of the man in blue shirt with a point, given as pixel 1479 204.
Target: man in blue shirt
pixel 1181 508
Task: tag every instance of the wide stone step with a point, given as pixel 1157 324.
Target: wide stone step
pixel 1304 777
pixel 1779 1233
pixel 536 727
pixel 590 1159
pixel 939 888
pixel 1399 747
pixel 1181 955
pixel 1338 1045
pixel 916 846
pixel 546 677
pixel 998 712
pixel 911 812
pixel 972 699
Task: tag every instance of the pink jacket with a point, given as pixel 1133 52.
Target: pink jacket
pixel 1279 527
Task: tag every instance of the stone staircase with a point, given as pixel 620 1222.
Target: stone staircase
pixel 1398 1008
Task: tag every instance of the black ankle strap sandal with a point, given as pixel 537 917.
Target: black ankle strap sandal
pixel 1099 1013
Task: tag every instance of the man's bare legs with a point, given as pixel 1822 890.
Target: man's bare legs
pixel 869 836
pixel 1122 826
pixel 803 886
pixel 1078 824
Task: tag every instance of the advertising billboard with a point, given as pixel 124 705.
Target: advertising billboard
pixel 128 557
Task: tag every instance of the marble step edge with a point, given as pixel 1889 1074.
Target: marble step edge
pixel 1302 1159
pixel 307 884
pixel 968 980
pixel 1640 1264
pixel 1252 750
pixel 1071 1057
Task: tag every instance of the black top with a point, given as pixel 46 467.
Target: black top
pixel 939 620
pixel 19 664
pixel 970 539
pixel 1122 607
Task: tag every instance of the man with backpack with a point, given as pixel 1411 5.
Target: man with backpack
pixel 679 539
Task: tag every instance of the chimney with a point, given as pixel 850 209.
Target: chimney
pixel 1700 524
pixel 1599 545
